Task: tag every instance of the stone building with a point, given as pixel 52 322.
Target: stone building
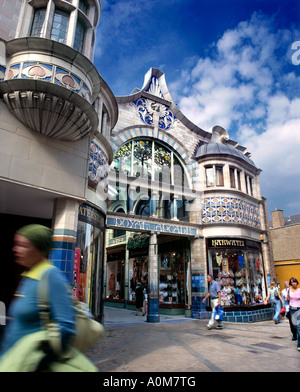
pixel 56 115
pixel 178 201
pixel 184 203
pixel 285 235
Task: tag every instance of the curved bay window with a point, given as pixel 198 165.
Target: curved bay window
pixel 150 160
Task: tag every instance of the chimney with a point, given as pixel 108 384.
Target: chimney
pixel 277 218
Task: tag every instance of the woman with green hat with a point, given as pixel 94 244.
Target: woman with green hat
pixel 25 346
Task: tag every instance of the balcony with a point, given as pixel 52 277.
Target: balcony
pixel 50 88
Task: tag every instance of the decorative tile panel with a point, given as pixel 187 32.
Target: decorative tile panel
pixel 146 108
pixel 49 73
pixel 230 210
pixel 98 165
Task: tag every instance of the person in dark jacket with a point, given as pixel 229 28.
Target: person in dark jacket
pixel 139 298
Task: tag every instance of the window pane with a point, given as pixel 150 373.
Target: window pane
pixel 239 180
pixel 209 176
pixel 162 164
pixel 79 37
pixel 219 176
pixel 232 178
pixel 38 22
pixel 83 6
pixel 142 152
pixel 122 159
pixel 60 26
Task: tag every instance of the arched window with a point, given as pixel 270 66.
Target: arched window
pixel 150 160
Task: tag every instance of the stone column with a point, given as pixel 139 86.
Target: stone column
pixel 153 290
pixel 64 236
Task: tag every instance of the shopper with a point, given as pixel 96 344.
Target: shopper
pixel 214 293
pixel 139 298
pixel 26 346
pixel 294 298
pixel 286 304
pixel 275 300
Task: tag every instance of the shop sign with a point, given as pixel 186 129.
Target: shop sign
pixel 90 215
pixel 226 243
pixel 139 225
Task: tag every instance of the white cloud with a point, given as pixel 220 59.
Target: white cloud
pixel 244 86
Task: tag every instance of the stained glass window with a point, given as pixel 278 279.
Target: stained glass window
pixel 150 160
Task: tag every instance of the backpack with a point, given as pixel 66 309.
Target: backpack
pixel 87 329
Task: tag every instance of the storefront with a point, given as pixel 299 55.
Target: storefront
pixel 88 266
pixel 237 265
pixel 174 274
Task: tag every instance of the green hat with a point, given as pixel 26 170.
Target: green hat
pixel 40 236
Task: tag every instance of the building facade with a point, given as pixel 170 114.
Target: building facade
pixel 285 233
pixel 184 203
pixel 129 181
pixel 56 115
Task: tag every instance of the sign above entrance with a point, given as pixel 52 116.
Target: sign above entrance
pixel 133 224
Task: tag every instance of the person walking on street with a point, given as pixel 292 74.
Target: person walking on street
pixel 139 298
pixel 215 295
pixel 294 298
pixel 26 346
pixel 275 300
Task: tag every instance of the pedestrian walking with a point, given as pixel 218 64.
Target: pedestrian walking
pixel 139 298
pixel 26 345
pixel 275 300
pixel 214 293
pixel 294 298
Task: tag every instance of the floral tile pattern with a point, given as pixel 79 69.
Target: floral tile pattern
pixel 98 165
pixel 230 210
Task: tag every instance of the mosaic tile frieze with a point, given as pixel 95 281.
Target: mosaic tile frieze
pixel 146 108
pixel 49 73
pixel 230 210
pixel 98 166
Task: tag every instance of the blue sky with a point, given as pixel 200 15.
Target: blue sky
pixel 230 63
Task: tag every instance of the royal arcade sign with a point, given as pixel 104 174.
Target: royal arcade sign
pixel 133 224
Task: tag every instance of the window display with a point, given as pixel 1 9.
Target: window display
pixel 138 272
pixel 171 283
pixel 240 275
pixel 115 279
pixel 89 268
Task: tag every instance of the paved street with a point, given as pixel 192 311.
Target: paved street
pixel 177 344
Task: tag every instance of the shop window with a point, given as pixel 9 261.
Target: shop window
pixel 138 272
pixel 172 278
pixel 88 268
pixel 38 22
pixel 240 275
pixel 60 26
pixel 115 269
